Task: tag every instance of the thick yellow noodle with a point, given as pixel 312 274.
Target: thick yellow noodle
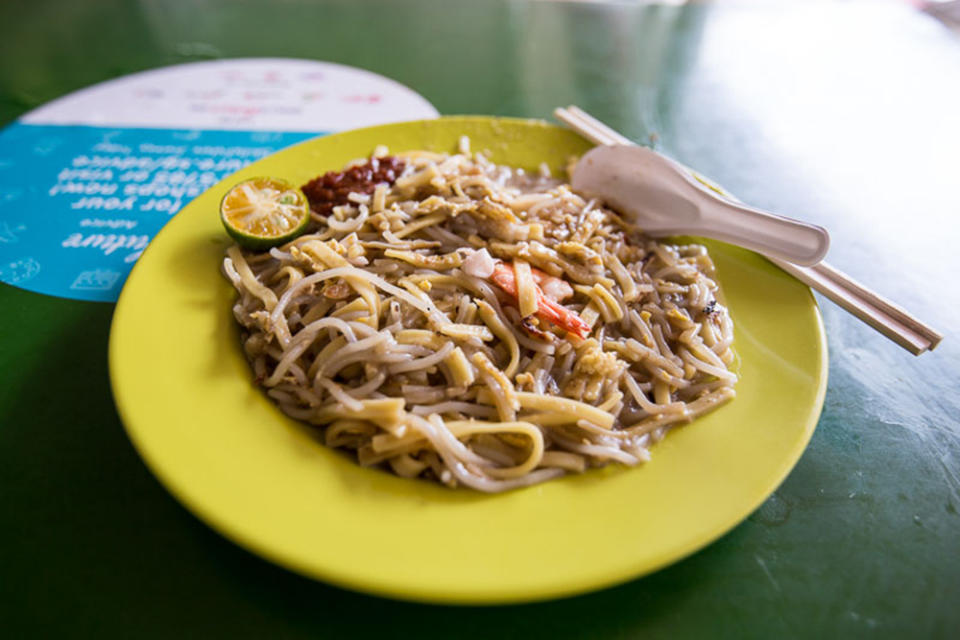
pixel 384 328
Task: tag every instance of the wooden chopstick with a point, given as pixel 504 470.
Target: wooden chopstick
pixel 883 315
pixel 890 319
pixel 589 127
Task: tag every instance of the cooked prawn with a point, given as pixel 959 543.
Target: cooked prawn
pixel 547 308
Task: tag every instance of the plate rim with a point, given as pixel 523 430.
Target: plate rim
pixel 437 595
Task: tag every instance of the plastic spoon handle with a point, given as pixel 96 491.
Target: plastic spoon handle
pixel 663 198
pixel 790 240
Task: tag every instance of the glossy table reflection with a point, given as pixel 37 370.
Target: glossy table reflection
pixel 844 114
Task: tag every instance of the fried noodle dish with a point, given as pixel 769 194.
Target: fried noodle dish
pixel 449 318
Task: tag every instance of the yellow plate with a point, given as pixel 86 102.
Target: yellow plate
pixel 184 392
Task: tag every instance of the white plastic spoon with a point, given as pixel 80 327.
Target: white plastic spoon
pixel 664 199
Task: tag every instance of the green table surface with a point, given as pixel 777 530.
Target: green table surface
pixel 844 114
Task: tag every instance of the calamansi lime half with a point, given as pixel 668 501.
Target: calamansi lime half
pixel 264 212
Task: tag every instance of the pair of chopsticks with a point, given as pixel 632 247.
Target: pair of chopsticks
pixel 891 320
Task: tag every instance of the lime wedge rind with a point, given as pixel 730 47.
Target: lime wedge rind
pixel 264 212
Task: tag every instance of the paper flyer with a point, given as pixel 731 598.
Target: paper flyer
pixel 87 180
